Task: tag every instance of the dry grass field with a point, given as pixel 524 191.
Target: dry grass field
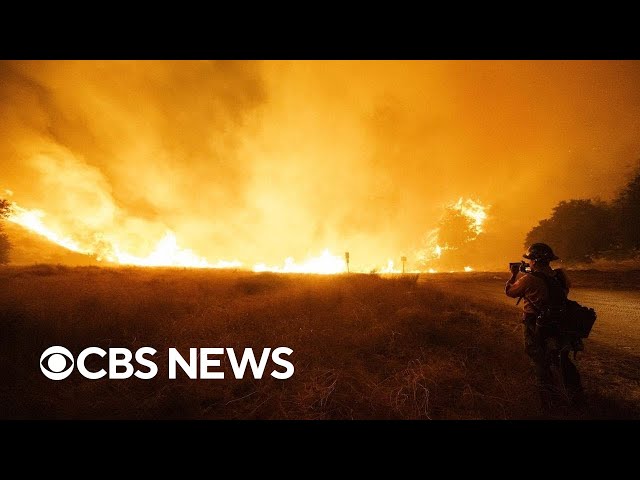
pixel 364 347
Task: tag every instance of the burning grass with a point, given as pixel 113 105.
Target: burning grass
pixel 365 347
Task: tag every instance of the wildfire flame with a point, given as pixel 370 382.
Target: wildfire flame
pixel 32 220
pixel 167 251
pixel 389 268
pixel 325 263
pixel 475 212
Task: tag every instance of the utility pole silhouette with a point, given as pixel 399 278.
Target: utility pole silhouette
pixel 346 257
pixel 403 259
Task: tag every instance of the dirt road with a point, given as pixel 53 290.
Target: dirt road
pixel 618 323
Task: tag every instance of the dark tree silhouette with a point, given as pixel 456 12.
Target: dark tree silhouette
pixel 4 240
pixel 627 210
pixel 455 229
pixel 578 230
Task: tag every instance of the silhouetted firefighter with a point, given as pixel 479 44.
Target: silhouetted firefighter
pixel 554 325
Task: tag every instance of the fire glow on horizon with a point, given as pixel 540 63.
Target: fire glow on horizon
pixel 286 165
pixel 168 253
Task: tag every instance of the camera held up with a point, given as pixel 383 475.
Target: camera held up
pixel 523 266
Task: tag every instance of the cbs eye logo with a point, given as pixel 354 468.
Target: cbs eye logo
pixel 56 363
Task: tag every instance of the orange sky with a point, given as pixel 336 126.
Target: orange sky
pixel 258 161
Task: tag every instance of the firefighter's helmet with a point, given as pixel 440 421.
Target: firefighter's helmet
pixel 540 251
